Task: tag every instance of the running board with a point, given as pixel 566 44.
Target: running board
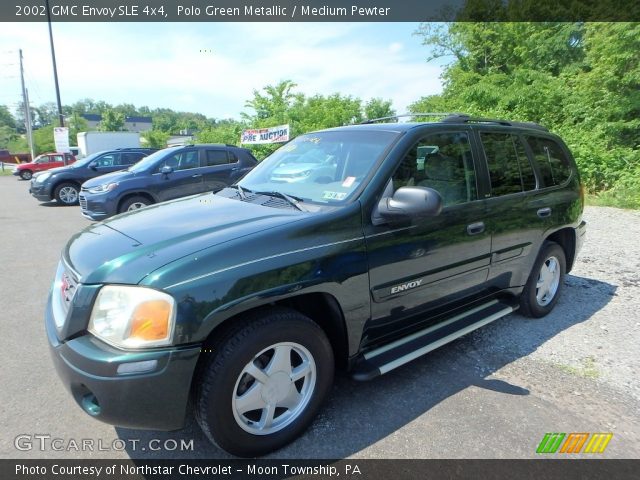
pixel 393 355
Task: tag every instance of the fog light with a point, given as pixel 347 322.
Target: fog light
pixel 137 367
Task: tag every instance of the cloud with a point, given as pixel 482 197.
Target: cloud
pixel 162 65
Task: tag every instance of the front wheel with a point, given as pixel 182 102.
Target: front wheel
pixel 263 383
pixel 544 285
pixel 67 193
pixel 134 203
pixel 26 174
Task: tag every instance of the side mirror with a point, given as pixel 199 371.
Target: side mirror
pixel 166 170
pixel 93 166
pixel 408 203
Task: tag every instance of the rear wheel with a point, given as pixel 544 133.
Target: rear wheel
pixel 67 194
pixel 134 203
pixel 544 285
pixel 26 174
pixel 263 383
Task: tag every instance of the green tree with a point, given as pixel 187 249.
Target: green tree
pixel 378 108
pixel 112 121
pixel 155 138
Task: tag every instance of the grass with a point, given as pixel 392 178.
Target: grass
pixel 7 172
pixel 587 369
pixel 621 198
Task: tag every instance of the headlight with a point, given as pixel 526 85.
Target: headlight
pixel 133 317
pixel 42 177
pixel 107 187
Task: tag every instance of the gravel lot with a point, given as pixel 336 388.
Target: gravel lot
pixel 492 394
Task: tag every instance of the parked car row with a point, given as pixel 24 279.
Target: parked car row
pixel 115 181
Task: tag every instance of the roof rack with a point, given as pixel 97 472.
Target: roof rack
pixel 454 117
pixel 463 118
pixel 429 114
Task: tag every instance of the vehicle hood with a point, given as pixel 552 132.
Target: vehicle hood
pixel 108 178
pixel 22 166
pixel 53 170
pixel 128 247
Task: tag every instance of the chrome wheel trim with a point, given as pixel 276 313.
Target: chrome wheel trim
pixel 136 206
pixel 267 398
pixel 68 194
pixel 26 175
pixel 548 281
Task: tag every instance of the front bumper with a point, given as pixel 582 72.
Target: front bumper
pixel 16 172
pixel 40 192
pixel 156 399
pixel 96 207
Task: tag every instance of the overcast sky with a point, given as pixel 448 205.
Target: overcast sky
pixel 212 68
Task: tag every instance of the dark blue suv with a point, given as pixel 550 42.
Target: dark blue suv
pixel 167 174
pixel 63 184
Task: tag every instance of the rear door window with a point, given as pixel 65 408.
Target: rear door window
pixel 509 167
pixel 552 162
pixel 217 157
pixel 130 158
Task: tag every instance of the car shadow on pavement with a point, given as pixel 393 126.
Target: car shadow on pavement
pixel 359 414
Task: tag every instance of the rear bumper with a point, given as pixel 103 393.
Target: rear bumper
pixel 156 399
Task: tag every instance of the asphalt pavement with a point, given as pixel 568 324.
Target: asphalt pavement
pixel 492 394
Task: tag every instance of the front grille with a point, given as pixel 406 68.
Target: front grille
pixel 63 291
pixel 68 288
pixel 83 202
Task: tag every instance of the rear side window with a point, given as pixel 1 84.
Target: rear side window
pixel 509 167
pixel 552 162
pixel 217 157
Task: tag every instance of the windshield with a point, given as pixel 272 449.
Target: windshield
pixel 149 161
pixel 325 167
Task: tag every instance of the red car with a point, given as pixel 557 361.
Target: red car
pixel 43 162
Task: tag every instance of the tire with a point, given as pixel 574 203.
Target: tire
pixel 134 203
pixel 26 174
pixel 545 282
pixel 67 193
pixel 273 344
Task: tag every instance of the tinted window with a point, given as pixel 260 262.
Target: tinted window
pixel 184 160
pixel 130 158
pixel 217 157
pixel 552 162
pixel 232 157
pixel 442 162
pixel 56 158
pixel 506 158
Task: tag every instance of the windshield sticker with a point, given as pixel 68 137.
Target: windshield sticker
pixel 328 195
pixel 315 140
pixel 348 182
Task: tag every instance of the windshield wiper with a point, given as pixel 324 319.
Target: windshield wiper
pixel 241 191
pixel 293 200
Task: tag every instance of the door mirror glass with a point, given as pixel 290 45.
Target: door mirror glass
pixel 166 170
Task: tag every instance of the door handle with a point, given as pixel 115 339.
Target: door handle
pixel 196 175
pixel 475 228
pixel 544 212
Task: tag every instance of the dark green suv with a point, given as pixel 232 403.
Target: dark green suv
pixel 387 241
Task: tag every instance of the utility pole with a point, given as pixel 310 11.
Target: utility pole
pixel 55 68
pixel 27 109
